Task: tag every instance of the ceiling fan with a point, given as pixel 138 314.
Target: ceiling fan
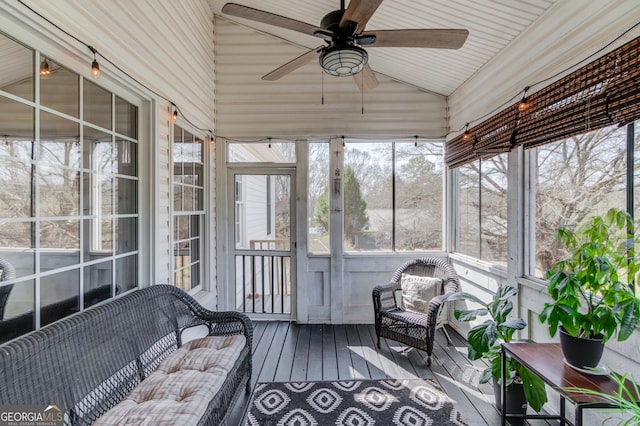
pixel 343 32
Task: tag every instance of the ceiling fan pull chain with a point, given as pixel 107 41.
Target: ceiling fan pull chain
pixel 362 96
pixel 322 79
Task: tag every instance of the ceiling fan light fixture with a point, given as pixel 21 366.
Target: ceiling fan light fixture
pixel 343 60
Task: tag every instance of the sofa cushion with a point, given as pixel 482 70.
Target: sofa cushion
pixel 417 291
pixel 179 390
pixel 205 354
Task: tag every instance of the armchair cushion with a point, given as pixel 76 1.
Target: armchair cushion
pixel 416 329
pixel 417 292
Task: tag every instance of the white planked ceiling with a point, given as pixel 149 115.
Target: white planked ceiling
pixel 492 25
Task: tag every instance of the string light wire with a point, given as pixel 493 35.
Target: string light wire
pixel 521 94
pixel 97 53
pixel 552 77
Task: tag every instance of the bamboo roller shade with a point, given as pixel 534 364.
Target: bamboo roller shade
pixel 602 93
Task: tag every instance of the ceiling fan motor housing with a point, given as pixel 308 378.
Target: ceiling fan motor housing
pixel 331 21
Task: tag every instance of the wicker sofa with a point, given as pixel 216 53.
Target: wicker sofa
pixel 124 362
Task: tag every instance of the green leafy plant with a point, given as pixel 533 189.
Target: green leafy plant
pixel 485 339
pixel 623 399
pixel 588 288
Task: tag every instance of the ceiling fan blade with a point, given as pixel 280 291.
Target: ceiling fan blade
pixel 258 15
pixel 366 79
pixel 431 38
pixel 359 11
pixel 293 65
pixel 325 35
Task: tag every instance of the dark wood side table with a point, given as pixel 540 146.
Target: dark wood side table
pixel 546 361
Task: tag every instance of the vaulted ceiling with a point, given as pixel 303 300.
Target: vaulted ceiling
pixel 492 25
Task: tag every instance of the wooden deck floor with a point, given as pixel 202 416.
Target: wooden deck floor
pixel 284 351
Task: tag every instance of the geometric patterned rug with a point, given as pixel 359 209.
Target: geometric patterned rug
pixel 352 403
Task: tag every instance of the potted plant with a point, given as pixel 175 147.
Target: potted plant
pixel 484 341
pixel 623 399
pixel 592 298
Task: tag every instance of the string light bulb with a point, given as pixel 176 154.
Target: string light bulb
pixel 269 146
pixel 467 134
pixel 174 114
pixel 415 144
pixel 95 67
pixel 45 70
pixel 343 146
pixel 523 104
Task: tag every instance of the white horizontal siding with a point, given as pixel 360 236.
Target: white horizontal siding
pixel 568 33
pixel 14 61
pixel 247 106
pixel 167 45
pixel 492 25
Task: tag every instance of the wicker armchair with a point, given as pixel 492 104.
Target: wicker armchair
pixel 412 328
pixel 7 272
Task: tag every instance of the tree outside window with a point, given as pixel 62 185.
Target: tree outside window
pixel 317 198
pixel 482 209
pixel 392 196
pixel 575 179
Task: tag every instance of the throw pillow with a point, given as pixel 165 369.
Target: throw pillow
pixel 417 291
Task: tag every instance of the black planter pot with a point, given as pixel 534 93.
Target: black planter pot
pixel 516 401
pixel 581 352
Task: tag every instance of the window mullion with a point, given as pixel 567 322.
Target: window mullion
pixel 480 209
pixel 630 168
pixel 393 196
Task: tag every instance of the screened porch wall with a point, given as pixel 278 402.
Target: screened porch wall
pixel 361 273
pixel 166 59
pixel 159 43
pixel 573 31
pixel 483 278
